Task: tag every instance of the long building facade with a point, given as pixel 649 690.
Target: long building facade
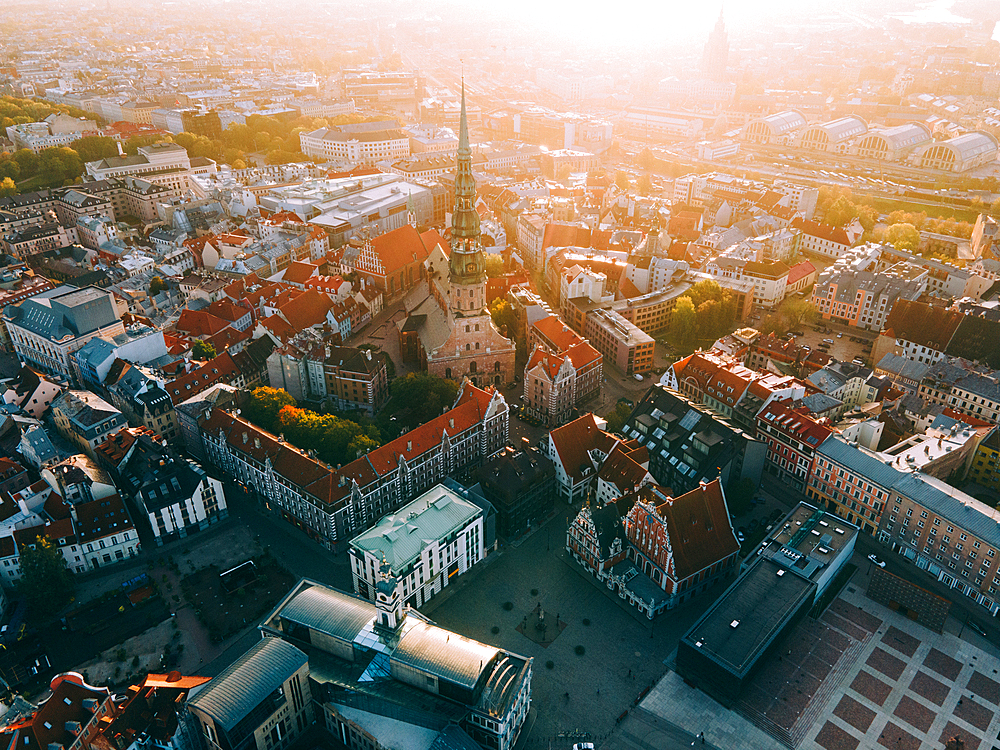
pixel 333 505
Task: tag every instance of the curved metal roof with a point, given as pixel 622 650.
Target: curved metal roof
pixel 842 129
pixel 904 136
pixel 449 656
pixel 241 687
pixel 782 122
pixel 970 145
pixel 329 611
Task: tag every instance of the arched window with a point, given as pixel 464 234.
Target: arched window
pixel 496 367
pixel 466 347
pixel 467 328
pixel 477 326
pixel 447 373
pixel 477 344
pixel 472 366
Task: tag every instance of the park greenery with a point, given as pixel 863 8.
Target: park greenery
pixel 901 226
pixel 46 582
pixel 706 311
pixel 334 439
pixel 791 313
pixel 505 319
pixel 414 399
pixel 277 140
pixel 618 416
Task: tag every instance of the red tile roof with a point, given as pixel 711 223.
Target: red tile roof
pixel 227 310
pixel 699 529
pixel 431 239
pixel 582 354
pixel 98 519
pixel 574 440
pixel 199 323
pixel 47 727
pixel 560 234
pixel 828 232
pixel 277 325
pixel 552 329
pixel 307 309
pixel 922 324
pixel 299 272
pixel 799 271
pixel 623 468
pixel 399 248
pixel 221 369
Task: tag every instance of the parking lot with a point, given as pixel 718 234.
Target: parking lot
pixel 847 343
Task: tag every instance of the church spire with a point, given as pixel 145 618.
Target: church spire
pixel 466 261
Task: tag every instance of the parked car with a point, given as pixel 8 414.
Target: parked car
pixel 875 560
pixel 583 746
pixel 638 377
pixel 977 627
pixel 739 537
pixel 840 335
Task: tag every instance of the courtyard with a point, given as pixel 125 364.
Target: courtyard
pixel 594 655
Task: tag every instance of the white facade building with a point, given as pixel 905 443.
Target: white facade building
pixel 428 543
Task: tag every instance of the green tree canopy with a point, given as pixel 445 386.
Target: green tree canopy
pixel 94 147
pixel 45 582
pixel 157 285
pixel 684 321
pixel 415 398
pixel 903 236
pixel 795 311
pixel 622 180
pixel 7 188
pixel 504 316
pixel 494 264
pixel 203 350
pixel 264 404
pixel 618 416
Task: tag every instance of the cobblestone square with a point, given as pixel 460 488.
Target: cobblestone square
pixel 623 653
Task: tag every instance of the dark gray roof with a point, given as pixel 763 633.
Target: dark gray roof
pixel 952 504
pixel 248 681
pixel 329 611
pixel 754 611
pixel 860 461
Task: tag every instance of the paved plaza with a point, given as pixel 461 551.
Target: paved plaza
pixel 623 654
pixel 862 676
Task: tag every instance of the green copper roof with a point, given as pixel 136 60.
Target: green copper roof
pixel 466 263
pixel 401 537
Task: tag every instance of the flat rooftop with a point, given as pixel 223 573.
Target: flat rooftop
pixel 809 530
pixel 749 615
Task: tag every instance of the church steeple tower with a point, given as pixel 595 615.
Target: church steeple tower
pixel 466 267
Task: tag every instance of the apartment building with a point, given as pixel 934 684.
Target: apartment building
pixel 428 543
pixel 262 701
pixel 366 143
pixel 852 481
pixel 333 505
pixel 856 294
pixel 623 344
pixel 825 240
pixel 47 327
pixel 947 533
